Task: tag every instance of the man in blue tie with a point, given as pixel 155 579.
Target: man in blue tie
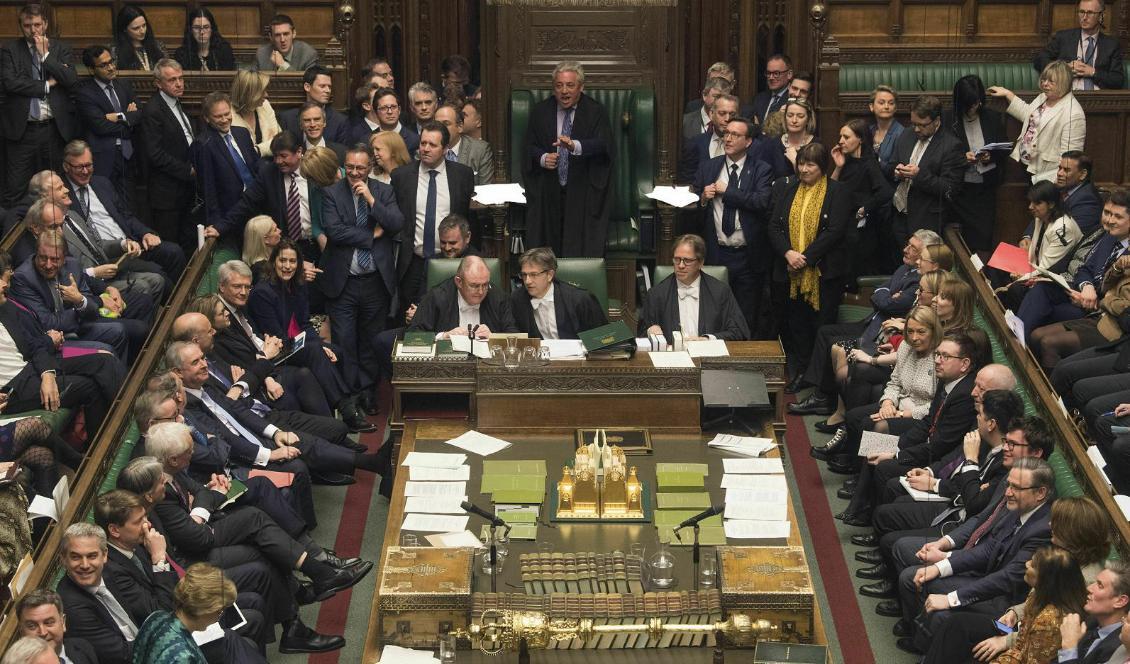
pixel 225 158
pixel 111 117
pixel 1095 58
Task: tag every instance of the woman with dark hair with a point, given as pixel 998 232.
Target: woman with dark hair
pixel 976 126
pixel 135 47
pixel 202 47
pixel 1055 234
pixel 857 168
pixel 279 303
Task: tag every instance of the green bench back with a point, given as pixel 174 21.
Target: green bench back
pixel 910 78
pixel 586 273
pixel 719 272
pixel 442 269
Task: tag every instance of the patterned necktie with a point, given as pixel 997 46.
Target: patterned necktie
pixel 1089 58
pixel 1114 255
pixel 451 156
pixel 984 527
pixel 240 164
pixel 138 564
pixel 430 216
pixel 729 211
pixel 903 190
pixel 56 298
pixel 84 201
pixel 562 151
pixel 35 111
pixel 294 210
pixel 228 421
pixel 117 612
pixel 364 256
pixel 127 144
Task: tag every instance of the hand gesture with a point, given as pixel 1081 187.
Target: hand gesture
pixel 936 602
pixel 1086 299
pixel 483 332
pixel 988 649
pixel 971 445
pixel 550 161
pixel 70 293
pixel 998 91
pixel 277 59
pixel 1025 242
pixel 876 459
pixel 132 108
pixel 860 356
pixel 49 392
pixel 210 231
pixel 1081 69
pixel 838 156
pixel 154 542
pixel 272 346
pixel 106 271
pixel 133 247
pixel 274 390
pixel 42 44
pixel 925 575
pixel 310 271
pixel 1122 410
pixel 3 401
pixel 710 191
pixel 410 314
pixel 56 337
pixel 887 410
pixel 1071 631
pixel 150 240
pixel 284 453
pixel 361 189
pixel 796 260
pixel 329 354
pixel 287 438
pixel 720 187
pixel 921 482
pixel 236 373
pixel 564 141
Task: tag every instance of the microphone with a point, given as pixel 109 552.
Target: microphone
pixel 706 514
pixel 475 509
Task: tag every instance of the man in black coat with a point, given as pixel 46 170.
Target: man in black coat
pixel 112 119
pixel 38 77
pixel 927 168
pixel 568 168
pixel 39 613
pixel 1095 58
pixel 318 84
pixel 424 207
pixel 168 132
pixel 778 75
pixel 225 158
pixel 692 302
pixel 548 308
pixel 465 305
pixel 1094 641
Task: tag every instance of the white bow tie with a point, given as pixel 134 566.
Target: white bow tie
pixel 684 293
pixel 536 302
pixel 464 309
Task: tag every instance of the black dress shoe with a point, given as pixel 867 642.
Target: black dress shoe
pixel 357 422
pixel 890 608
pixel 844 464
pixel 851 482
pixel 331 479
pixel 332 560
pixel 870 557
pixel 879 571
pixel 906 644
pixel 858 520
pixel 903 627
pixel 344 578
pixel 833 446
pixel 305 594
pixel 823 427
pixel 300 638
pixel 869 539
pixel 351 444
pixel 882 589
pixel 846 494
pixel 795 385
pixel 815 404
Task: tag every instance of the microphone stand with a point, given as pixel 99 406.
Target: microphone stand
pixel 492 554
pixel 695 555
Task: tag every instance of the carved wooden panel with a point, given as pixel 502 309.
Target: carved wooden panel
pixel 853 21
pixel 79 25
pixel 1009 21
pixel 243 23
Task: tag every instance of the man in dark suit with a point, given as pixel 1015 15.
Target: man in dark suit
pixel 1080 198
pixel 427 191
pixel 381 112
pixel 464 305
pixel 1095 58
pixel 312 120
pixel 474 153
pixel 568 168
pixel 928 168
pixel 225 158
pixel 112 119
pixel 710 143
pixel 697 122
pixel 1094 640
pixel 39 613
pixel 778 75
pixel 38 77
pixel 734 189
pixel 168 133
pixel 319 86
pixel 692 302
pixel 358 266
pixel 548 308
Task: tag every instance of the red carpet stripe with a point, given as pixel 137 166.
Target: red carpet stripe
pixel 855 648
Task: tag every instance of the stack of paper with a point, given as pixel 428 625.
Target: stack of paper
pixel 771 466
pixel 1123 503
pixel 479 443
pixel 428 474
pixel 744 445
pixel 707 348
pixel 499 194
pixel 461 540
pixel 922 496
pixel 677 359
pixel 434 523
pixel 398 655
pixel 674 196
pixel 434 460
pixel 750 529
pixel 435 489
pixel 564 349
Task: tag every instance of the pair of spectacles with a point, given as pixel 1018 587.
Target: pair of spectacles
pixel 684 261
pixel 388 108
pixel 81 167
pixel 776 74
pixel 531 275
pixel 1086 13
pixel 1009 444
pixel 477 288
pixel 938 355
pixel 1016 488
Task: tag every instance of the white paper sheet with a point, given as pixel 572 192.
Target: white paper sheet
pixel 434 460
pixel 479 443
pixel 422 474
pixel 1123 503
pixel 672 360
pixel 564 349
pixel 707 348
pixel 434 523
pixel 754 466
pixel 433 505
pixel 448 489
pixel 398 655
pixel 749 529
pixel 873 443
pixel 759 482
pixel 215 632
pixel 497 194
pixel 675 196
pixel 461 540
pixel 921 496
pixel 744 445
pixel 1100 463
pixel 757 511
pixel 775 496
pixel 42 506
pixel 1016 325
pixel 464 344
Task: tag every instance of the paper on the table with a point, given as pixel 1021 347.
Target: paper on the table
pixel 434 523
pixel 1100 463
pixel 978 264
pixel 769 466
pixel 214 631
pixel 707 348
pixel 398 655
pixel 497 194
pixel 449 489
pixel 461 540
pixel 745 445
pixel 754 482
pixel 750 529
pixel 434 460
pixel 420 474
pixel 564 349
pixel 921 496
pixel 873 443
pixel 434 505
pixel 62 495
pixel 757 511
pixel 643 343
pixel 464 344
pixel 479 443
pixel 674 196
pixel 774 496
pixel 677 359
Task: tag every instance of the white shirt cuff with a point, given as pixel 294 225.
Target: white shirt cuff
pixel 241 385
pixel 944 568
pixel 270 431
pixel 576 148
pixel 201 512
pixel 1068 654
pixel 89 271
pixel 954 600
pixel 262 457
pixel 950 540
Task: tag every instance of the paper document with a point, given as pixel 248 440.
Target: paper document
pixel 42 506
pixel 707 348
pixel 464 344
pixel 448 489
pixel 873 443
pixel 19 577
pixel 479 443
pixel 1016 325
pixel 434 460
pixel 423 474
pixel 498 194
pixel 921 496
pixel 763 482
pixel 989 147
pixel 398 655
pixel 672 360
pixel 564 349
pixel 1057 278
pixel 674 196
pixel 1100 463
pixel 434 523
pixel 1123 503
pixel 461 540
pixel 215 631
pixel 754 466
pixel 978 264
pixel 434 505
pixel 757 511
pixel 776 496
pixel 744 445
pixel 749 529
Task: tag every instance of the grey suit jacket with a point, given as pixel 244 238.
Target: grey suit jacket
pixel 477 154
pixel 302 57
pixel 692 125
pixel 111 249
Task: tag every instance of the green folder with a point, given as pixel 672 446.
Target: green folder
pixel 418 339
pixel 676 480
pixel 700 468
pixel 707 536
pixel 521 531
pixel 672 518
pixel 518 496
pixel 514 467
pixel 683 500
pixel 495 483
pixel 606 336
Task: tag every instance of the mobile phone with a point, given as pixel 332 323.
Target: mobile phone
pixel 1003 628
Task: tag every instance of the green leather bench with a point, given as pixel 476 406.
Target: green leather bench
pixel 586 273
pixel 441 269
pixel 58 420
pixel 908 78
pixel 631 112
pixel 210 281
pixel 719 272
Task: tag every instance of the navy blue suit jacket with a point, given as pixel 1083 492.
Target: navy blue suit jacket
pixel 358 132
pixel 115 206
pixel 344 235
pixel 695 152
pixel 33 291
pixel 1091 271
pixel 216 169
pixel 235 448
pixel 751 198
pixel 997 561
pixel 88 619
pixel 337 125
pixel 101 134
pixel 272 307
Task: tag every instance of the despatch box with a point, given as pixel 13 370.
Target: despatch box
pixel 769 583
pixel 424 592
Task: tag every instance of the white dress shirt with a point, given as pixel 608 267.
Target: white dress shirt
pixel 179 115
pixel 11 362
pixel 443 204
pixel 545 315
pixel 736 239
pixel 688 306
pixel 98 216
pixel 468 313
pixel 262 457
pixel 716 147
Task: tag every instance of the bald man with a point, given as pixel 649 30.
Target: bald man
pixel 465 305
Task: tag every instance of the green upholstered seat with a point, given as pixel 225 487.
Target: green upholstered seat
pixel 852 313
pixel 440 269
pixel 921 76
pixel 719 272
pixel 121 459
pixel 210 280
pixel 57 420
pixel 631 112
pixel 586 273
pixel 872 280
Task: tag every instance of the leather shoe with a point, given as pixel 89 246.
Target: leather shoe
pixel 331 479
pixel 890 608
pixel 825 451
pixel 879 571
pixel 795 385
pixel 858 520
pixel 906 644
pixel 823 427
pixel 814 404
pixel 355 446
pixel 903 627
pixel 300 638
pixel 870 557
pixel 332 560
pixel 357 422
pixel 344 578
pixel 846 494
pixel 851 482
pixel 844 464
pixel 882 589
pixel 305 594
pixel 869 539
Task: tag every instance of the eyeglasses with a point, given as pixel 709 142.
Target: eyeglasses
pixel 357 169
pixel 1016 488
pixel 80 167
pixel 388 108
pixel 684 261
pixel 1086 13
pixel 769 73
pixel 1009 444
pixel 477 288
pixel 938 355
pixel 531 275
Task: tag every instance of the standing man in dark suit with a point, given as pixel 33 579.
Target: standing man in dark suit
pixel 319 87
pixel 1095 58
pixel 734 190
pixel 312 119
pixel 225 158
pixel 474 153
pixel 168 133
pixel 464 305
pixel 697 122
pixel 568 168
pixel 112 119
pixel 548 308
pixel 40 613
pixel 927 167
pixel 359 264
pixel 692 302
pixel 427 191
pixel 38 77
pixel 382 113
pixel 778 75
pixel 709 144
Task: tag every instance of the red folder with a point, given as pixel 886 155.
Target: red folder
pixel 1011 258
pixel 278 478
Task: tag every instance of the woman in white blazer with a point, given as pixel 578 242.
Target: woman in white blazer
pixel 1053 123
pixel 252 111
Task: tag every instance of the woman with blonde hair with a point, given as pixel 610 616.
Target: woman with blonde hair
pixel 954 304
pixel 389 153
pixel 252 110
pixel 800 129
pixel 320 166
pixel 198 600
pixel 260 236
pixel 213 307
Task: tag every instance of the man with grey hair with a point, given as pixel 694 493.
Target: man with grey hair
pixel 30 650
pixel 697 122
pixel 567 167
pixel 1108 598
pixel 168 131
pixel 423 99
pixel 547 307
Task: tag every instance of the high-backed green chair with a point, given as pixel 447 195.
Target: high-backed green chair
pixel 586 273
pixel 719 272
pixel 440 269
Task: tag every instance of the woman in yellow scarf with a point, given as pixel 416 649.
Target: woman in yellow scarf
pixel 809 231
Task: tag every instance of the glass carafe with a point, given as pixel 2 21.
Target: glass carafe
pixel 662 566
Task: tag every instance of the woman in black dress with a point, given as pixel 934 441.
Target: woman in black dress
pixel 203 48
pixel 976 126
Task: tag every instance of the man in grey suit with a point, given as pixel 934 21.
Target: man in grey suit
pixel 285 53
pixel 697 122
pixel 464 149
